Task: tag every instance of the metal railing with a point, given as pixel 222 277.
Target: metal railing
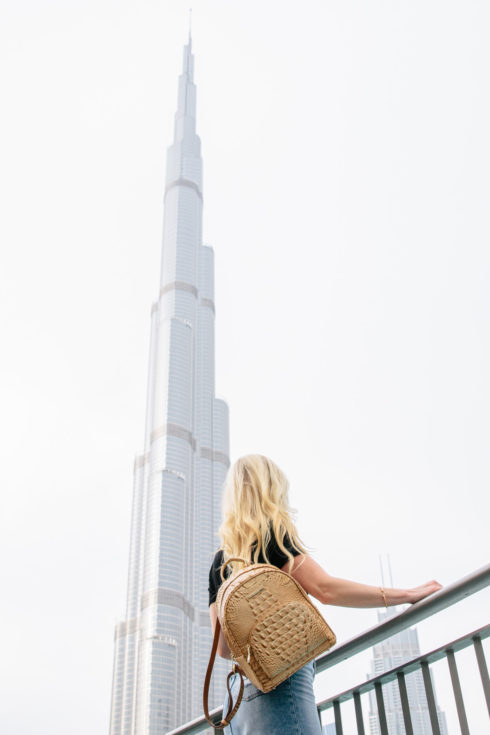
pixel 398 674
pixel 421 610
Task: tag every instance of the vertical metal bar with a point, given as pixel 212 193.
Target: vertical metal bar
pixel 429 692
pixel 482 665
pixel 359 719
pixel 319 716
pixel 338 718
pixel 407 718
pixel 458 695
pixel 383 725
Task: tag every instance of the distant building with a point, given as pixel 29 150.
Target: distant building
pixel 389 654
pixel 329 729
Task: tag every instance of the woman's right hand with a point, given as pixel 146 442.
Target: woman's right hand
pixel 418 593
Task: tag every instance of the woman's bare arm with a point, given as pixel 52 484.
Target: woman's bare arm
pixel 223 649
pixel 335 591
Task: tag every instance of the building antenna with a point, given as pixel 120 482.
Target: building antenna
pixel 389 567
pixel 381 568
pixel 190 22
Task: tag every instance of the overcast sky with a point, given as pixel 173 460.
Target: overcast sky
pixel 346 188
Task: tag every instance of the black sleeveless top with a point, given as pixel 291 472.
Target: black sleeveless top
pixel 276 557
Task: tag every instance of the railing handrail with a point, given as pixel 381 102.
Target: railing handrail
pixel 447 596
pixel 408 666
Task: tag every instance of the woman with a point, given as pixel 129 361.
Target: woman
pixel 258 526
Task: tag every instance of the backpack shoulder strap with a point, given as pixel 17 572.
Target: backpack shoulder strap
pixel 232 710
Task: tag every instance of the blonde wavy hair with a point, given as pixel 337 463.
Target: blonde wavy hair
pixel 255 508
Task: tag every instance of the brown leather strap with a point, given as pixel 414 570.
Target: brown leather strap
pixel 225 564
pixel 232 710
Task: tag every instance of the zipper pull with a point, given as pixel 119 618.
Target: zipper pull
pixel 248 654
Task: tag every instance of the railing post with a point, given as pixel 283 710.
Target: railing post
pixel 402 688
pixel 458 695
pixel 482 665
pixel 338 718
pixel 429 692
pixel 359 718
pixel 383 725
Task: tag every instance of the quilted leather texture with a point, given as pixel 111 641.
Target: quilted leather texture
pixel 270 624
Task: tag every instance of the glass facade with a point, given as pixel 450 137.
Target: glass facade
pixel 162 647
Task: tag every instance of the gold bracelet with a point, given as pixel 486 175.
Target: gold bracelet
pixel 384 596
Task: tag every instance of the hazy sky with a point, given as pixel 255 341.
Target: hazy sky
pixel 346 188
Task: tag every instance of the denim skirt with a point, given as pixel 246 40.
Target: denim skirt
pixel 289 709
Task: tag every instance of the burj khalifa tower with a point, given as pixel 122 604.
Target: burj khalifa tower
pixel 163 644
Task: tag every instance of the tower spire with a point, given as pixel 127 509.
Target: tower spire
pixel 185 117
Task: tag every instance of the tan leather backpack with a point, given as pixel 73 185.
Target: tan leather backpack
pixel 271 627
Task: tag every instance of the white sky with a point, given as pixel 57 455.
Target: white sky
pixel 346 164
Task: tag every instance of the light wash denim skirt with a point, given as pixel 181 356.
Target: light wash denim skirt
pixel 289 709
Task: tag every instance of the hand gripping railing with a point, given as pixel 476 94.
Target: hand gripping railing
pixel 421 610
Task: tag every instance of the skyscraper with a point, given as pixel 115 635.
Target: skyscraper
pixel 388 654
pixel 162 646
